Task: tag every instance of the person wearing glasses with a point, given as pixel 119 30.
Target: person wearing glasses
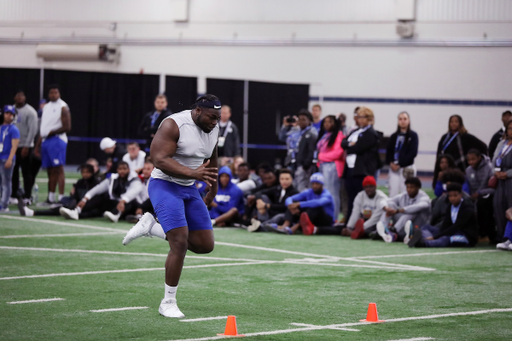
pixel 362 158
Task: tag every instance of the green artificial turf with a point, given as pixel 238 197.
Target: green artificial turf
pixel 263 297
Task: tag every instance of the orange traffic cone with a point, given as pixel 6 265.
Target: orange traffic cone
pixel 231 330
pixel 372 315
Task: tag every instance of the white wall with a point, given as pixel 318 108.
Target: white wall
pixel 149 39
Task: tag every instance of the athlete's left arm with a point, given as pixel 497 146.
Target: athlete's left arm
pixel 65 118
pixel 208 199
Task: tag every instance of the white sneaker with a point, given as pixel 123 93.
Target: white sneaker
pixel 111 216
pixel 408 231
pixel 255 225
pixel 4 210
pixel 169 308
pixel 13 201
pixel 28 212
pixel 67 213
pixel 381 230
pixel 213 222
pixel 141 229
pixel 504 246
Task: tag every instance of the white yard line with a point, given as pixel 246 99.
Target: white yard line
pixel 333 328
pixel 205 319
pixel 359 266
pixel 124 253
pixel 424 254
pixel 416 339
pixel 57 235
pixel 343 325
pixel 45 181
pixel 37 301
pixel 117 309
pixel 67 224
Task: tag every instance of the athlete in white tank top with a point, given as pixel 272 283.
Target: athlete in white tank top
pixel 51 119
pixel 194 146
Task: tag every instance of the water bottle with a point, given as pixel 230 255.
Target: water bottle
pixel 35 194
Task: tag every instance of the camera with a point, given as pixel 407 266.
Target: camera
pixel 290 119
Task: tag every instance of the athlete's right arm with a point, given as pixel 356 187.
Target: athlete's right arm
pixel 163 148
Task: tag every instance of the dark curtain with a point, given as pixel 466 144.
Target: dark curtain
pixel 103 104
pixel 181 92
pixel 268 104
pixel 230 92
pixel 12 80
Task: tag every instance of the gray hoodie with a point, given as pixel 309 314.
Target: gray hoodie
pixel 419 205
pixel 365 206
pixel 478 178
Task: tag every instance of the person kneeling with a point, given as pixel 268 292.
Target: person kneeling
pixel 312 210
pixel 112 197
pixel 228 205
pixel 368 208
pixel 459 228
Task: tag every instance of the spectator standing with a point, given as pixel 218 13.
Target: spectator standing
pixel 27 123
pixel 330 158
pixel 343 124
pixel 496 138
pixel 401 151
pixel 229 138
pixel 301 149
pixel 478 173
pixel 53 142
pixel 502 163
pixel 316 112
pixel 151 121
pixel 507 244
pixel 135 157
pixel 10 138
pixel 114 152
pixel 457 142
pixel 361 146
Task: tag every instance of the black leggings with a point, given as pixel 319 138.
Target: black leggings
pixel 101 203
pixel 317 216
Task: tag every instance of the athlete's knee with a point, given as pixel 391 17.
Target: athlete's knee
pixel 204 247
pixel 178 244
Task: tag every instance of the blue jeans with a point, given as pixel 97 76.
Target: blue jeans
pixel 332 184
pixel 508 231
pixel 444 241
pixel 6 181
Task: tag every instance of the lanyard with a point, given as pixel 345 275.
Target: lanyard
pixel 154 117
pixel 4 133
pixel 504 151
pixel 226 131
pixel 446 144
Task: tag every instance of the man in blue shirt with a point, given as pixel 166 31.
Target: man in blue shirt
pixel 310 210
pixel 459 226
pixel 9 140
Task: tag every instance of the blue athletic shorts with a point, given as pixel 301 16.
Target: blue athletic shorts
pixel 53 152
pixel 177 206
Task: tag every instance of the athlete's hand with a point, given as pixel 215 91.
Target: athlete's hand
pixel 206 174
pixel 208 200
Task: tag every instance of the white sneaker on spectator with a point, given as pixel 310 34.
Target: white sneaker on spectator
pixel 255 225
pixel 68 214
pixel 13 201
pixel 111 216
pixel 141 229
pixel 4 210
pixel 408 231
pixel 169 308
pixel 504 246
pixel 381 230
pixel 25 211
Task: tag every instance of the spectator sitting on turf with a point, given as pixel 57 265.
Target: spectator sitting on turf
pixel 77 192
pixel 312 210
pixel 143 202
pixel 112 197
pixel 368 209
pixel 478 173
pixel 114 151
pixel 96 166
pixel 244 182
pixel 269 180
pixel 135 157
pixel 270 203
pixel 459 227
pixel 507 244
pixel 405 209
pixel 441 204
pixel 228 205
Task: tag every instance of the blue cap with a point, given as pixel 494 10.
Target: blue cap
pixel 317 177
pixel 10 108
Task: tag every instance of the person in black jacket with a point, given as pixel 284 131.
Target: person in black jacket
pixel 229 138
pixel 270 202
pixel 457 142
pixel 362 158
pixel 496 138
pixel 151 121
pixel 401 151
pixel 459 226
pixel 82 186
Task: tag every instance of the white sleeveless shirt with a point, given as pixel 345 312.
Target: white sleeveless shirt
pixel 194 145
pixel 51 119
